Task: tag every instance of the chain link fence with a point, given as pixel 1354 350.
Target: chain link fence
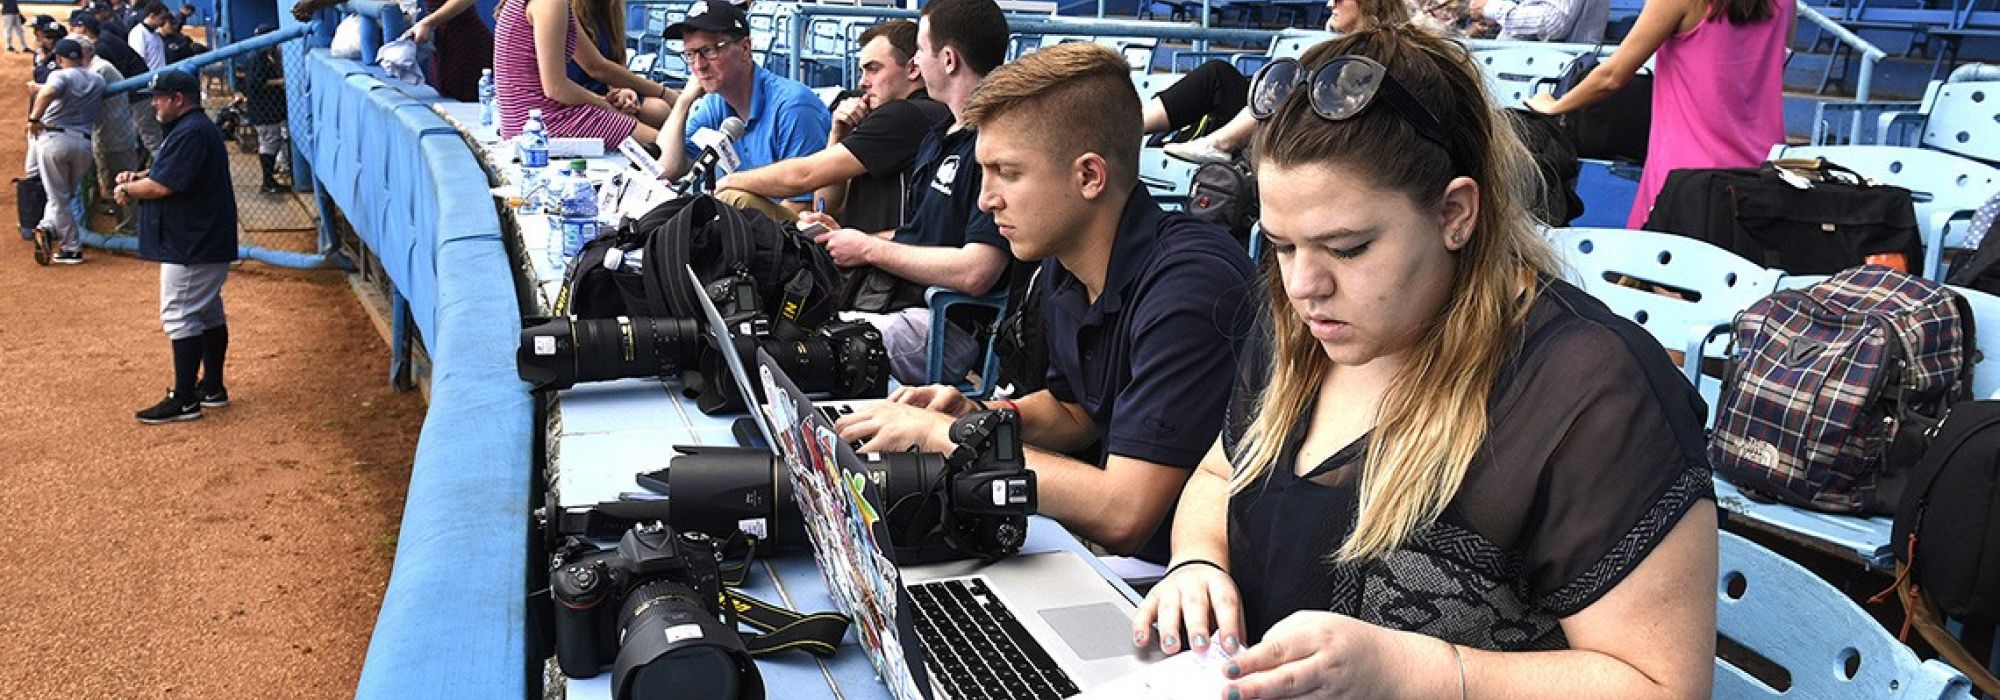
pixel 246 98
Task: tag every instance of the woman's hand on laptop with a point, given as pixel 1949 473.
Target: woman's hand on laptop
pixel 887 426
pixel 942 398
pixel 1194 606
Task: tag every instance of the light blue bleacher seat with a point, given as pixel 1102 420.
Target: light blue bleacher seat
pixel 1166 177
pixel 1724 283
pixel 941 302
pixel 1292 43
pixel 1947 188
pixel 1516 73
pixel 1829 647
pixel 1964 118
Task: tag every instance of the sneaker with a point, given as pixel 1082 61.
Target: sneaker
pixel 169 410
pixel 1199 151
pixel 215 399
pixel 44 246
pixel 63 258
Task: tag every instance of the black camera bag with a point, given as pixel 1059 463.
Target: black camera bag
pixel 1947 527
pixel 795 278
pixel 1804 217
pixel 1617 128
pixel 1225 194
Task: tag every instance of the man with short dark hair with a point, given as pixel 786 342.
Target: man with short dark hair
pixel 187 222
pixel 178 44
pixel 145 38
pixel 1143 308
pixel 863 174
pixel 108 45
pixel 944 240
pixel 782 118
pixel 60 121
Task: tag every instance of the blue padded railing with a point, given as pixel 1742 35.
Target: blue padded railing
pixel 453 622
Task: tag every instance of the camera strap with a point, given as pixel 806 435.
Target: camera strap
pixel 780 629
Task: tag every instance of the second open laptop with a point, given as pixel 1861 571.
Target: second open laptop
pixel 1042 625
pixel 723 336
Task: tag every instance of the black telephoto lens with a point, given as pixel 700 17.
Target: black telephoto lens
pixel 559 353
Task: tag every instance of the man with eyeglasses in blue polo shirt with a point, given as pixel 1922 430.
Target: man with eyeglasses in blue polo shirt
pixel 782 118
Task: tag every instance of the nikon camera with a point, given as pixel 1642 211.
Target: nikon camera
pixel 650 610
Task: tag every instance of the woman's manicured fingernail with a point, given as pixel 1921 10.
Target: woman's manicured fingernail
pixel 1170 641
pixel 1229 643
pixel 1235 694
pixel 1138 639
pixel 1200 641
pixel 1233 670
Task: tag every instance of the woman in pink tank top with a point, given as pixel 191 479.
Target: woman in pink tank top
pixel 1718 86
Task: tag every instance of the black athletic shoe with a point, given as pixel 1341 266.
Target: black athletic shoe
pixel 75 258
pixel 215 399
pixel 44 246
pixel 169 410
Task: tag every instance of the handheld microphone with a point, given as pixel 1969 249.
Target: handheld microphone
pixel 720 149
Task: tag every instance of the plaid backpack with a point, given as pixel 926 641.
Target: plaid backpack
pixel 1830 388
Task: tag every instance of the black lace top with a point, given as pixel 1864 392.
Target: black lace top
pixel 1593 455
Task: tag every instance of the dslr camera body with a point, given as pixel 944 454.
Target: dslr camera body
pixel 650 609
pixel 839 358
pixel 973 502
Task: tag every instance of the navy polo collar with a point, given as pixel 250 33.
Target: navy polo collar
pixel 1138 232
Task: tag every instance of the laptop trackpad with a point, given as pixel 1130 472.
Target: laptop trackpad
pixel 1095 631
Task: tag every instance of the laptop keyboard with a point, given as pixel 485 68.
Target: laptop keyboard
pixel 976 648
pixel 835 413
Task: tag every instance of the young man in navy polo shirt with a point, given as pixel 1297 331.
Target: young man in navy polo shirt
pixel 944 240
pixel 187 222
pixel 1144 309
pixel 782 118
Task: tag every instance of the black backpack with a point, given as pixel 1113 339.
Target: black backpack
pixel 1225 194
pixel 795 279
pixel 1616 128
pixel 1023 344
pixel 1947 527
pixel 1555 158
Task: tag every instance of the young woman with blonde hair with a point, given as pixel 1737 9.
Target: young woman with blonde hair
pixel 1460 476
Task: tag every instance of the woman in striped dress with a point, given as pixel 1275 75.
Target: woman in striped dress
pixel 532 42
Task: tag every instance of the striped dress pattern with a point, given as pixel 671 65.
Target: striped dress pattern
pixel 518 85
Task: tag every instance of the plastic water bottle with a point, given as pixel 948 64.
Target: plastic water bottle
pixel 617 259
pixel 534 141
pixel 486 97
pixel 578 197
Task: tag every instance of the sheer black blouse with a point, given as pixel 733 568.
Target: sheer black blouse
pixel 1593 454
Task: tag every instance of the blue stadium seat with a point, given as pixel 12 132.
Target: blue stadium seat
pixel 1720 282
pixel 1516 73
pixel 941 302
pixel 1827 647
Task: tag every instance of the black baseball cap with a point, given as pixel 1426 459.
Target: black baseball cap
pixel 68 48
pixel 86 20
pixel 172 81
pixel 716 16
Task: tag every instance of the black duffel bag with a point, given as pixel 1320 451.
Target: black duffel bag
pixel 1806 217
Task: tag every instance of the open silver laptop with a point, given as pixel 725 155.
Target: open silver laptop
pixel 1042 625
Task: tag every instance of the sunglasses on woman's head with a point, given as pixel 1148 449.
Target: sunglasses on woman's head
pixel 1341 88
